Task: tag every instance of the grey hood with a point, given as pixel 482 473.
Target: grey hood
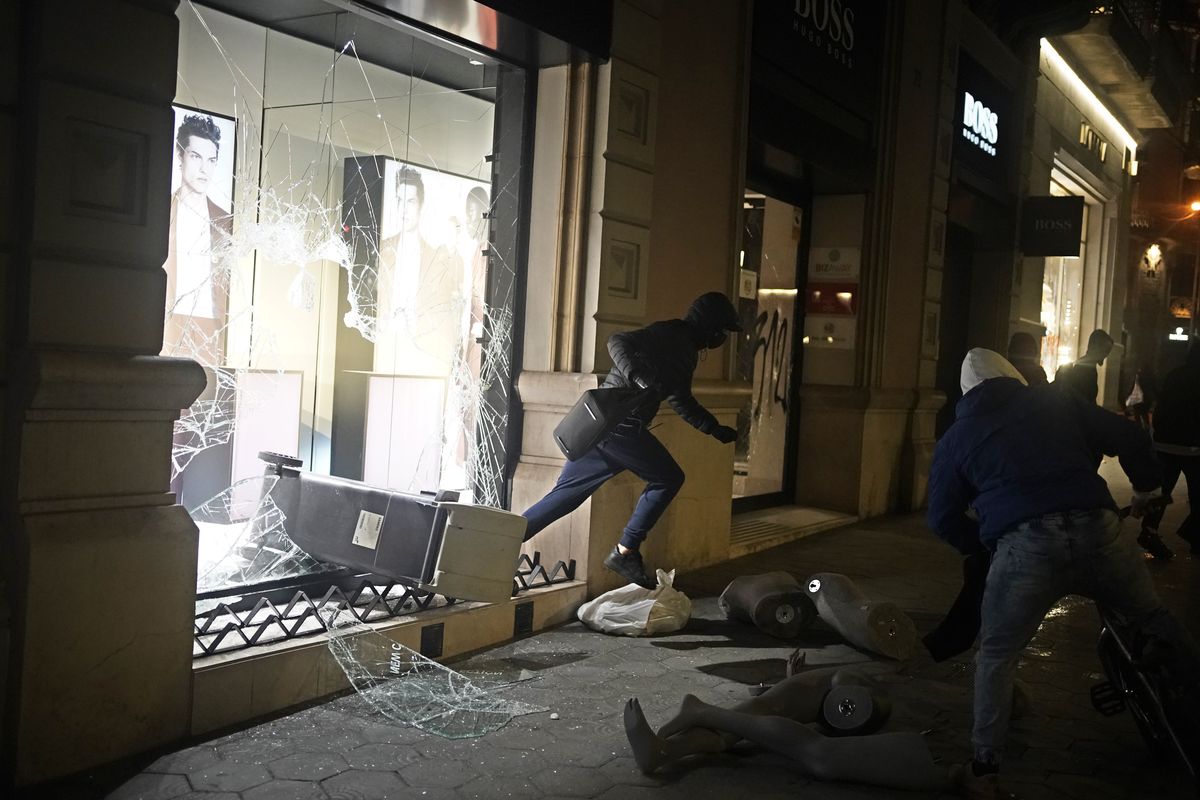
pixel 982 364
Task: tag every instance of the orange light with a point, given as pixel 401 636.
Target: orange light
pixel 1195 205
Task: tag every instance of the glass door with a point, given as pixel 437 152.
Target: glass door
pixel 767 293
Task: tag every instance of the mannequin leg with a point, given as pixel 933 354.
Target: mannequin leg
pixel 798 696
pixel 895 760
pixel 674 741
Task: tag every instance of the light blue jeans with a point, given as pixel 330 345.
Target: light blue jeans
pixel 1035 565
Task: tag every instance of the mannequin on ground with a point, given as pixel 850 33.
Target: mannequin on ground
pixel 779 720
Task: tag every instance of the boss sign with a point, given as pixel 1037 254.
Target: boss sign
pixel 980 124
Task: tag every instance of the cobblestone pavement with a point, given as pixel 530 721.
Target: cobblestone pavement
pixel 1061 749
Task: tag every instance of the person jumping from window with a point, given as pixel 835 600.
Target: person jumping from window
pixel 662 357
pixel 1023 458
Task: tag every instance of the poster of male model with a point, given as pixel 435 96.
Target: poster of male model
pixel 197 296
pixel 431 276
pixel 202 175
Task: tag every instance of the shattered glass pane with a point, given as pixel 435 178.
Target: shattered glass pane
pixel 410 689
pixel 242 539
pixel 330 266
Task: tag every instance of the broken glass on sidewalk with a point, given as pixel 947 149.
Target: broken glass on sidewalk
pixel 412 690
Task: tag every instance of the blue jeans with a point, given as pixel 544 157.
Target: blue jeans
pixel 630 447
pixel 1035 565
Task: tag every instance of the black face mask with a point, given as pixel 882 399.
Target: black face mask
pixel 715 340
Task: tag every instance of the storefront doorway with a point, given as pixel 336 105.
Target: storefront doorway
pixel 1072 298
pixel 767 303
pixel 955 324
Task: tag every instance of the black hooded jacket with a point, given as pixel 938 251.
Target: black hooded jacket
pixel 664 355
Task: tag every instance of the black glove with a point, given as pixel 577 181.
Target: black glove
pixel 724 434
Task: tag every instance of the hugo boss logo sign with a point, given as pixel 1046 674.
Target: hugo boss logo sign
pixel 983 143
pixel 1040 225
pixel 980 125
pixel 1051 226
pixel 827 24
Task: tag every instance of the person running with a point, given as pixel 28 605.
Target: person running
pixel 661 357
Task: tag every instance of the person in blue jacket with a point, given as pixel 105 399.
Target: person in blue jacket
pixel 662 357
pixel 1025 460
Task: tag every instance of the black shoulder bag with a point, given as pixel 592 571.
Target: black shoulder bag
pixel 595 415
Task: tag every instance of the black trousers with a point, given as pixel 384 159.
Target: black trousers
pixel 1173 466
pixel 630 447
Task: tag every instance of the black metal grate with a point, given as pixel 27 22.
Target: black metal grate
pixel 262 616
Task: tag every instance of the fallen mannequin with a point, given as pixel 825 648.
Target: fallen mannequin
pixel 778 720
pixel 875 626
pixel 775 602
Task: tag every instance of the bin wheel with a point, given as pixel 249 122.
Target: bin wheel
pixel 280 460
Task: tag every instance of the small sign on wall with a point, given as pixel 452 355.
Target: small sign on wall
pixel 747 284
pixel 836 332
pixel 831 298
pixel 1051 226
pixel 833 263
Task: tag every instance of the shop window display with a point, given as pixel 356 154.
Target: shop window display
pixel 1062 297
pixel 327 267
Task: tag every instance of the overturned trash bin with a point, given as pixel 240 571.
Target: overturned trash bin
pixel 428 541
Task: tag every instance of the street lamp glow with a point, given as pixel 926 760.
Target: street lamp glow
pixel 1195 205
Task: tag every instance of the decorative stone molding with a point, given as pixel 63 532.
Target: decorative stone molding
pixel 64 379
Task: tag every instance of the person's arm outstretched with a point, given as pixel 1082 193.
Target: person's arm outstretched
pixel 949 498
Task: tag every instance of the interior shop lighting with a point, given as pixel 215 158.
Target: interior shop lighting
pixel 1091 104
pixel 783 292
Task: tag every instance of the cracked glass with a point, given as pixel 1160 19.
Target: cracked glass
pixel 410 689
pixel 332 266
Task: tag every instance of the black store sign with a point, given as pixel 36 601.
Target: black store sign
pixel 830 45
pixel 985 129
pixel 1051 226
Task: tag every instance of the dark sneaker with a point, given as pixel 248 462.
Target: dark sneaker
pixel 1153 544
pixel 630 567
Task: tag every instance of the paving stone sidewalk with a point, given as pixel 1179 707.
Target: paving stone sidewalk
pixel 1062 748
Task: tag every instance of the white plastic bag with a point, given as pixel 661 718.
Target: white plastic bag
pixel 1135 396
pixel 635 611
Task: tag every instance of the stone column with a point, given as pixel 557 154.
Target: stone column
pixel 99 562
